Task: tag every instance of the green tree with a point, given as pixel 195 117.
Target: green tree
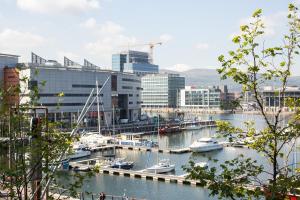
pixel 251 65
pixel 19 160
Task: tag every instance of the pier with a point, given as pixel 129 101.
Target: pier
pixel 150 176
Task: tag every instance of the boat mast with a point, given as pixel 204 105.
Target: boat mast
pixel 98 108
pixel 113 131
pixel 157 160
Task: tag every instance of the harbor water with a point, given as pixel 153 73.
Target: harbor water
pixel 156 190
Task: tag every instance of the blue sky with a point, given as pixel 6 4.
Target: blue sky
pixel 193 32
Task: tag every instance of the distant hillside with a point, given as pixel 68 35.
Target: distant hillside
pixel 209 77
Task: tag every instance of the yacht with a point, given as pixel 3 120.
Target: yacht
pixel 80 151
pixel 205 144
pixel 94 140
pixel 163 166
pixel 121 164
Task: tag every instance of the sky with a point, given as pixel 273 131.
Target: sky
pixel 193 32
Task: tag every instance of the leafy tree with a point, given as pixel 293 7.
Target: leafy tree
pixel 251 65
pixel 20 159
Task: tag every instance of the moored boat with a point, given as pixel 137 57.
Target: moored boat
pixel 169 129
pixel 79 152
pixel 163 166
pixel 205 144
pixel 120 163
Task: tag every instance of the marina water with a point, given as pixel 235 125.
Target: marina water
pixel 156 190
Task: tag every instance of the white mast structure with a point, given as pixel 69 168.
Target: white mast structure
pixel 98 108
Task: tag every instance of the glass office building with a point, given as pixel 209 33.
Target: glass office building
pixel 133 62
pixel 200 97
pixel 161 90
pixel 118 61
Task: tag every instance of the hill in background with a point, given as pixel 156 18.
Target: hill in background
pixel 210 77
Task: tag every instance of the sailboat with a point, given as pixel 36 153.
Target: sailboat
pixel 95 139
pixel 164 165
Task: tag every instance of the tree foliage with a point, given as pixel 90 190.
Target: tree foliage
pixel 22 156
pixel 251 65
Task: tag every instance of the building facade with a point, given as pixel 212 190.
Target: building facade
pixel 193 97
pixel 161 90
pixel 133 62
pixel 65 90
pixel 273 99
pixel 7 60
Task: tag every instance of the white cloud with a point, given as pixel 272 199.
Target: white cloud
pixel 202 46
pixel 111 38
pixel 110 27
pixel 89 23
pixel 273 23
pixel 165 38
pixel 19 41
pixel 58 6
pixel 180 67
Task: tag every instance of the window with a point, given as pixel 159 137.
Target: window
pixel 130 102
pixel 114 82
pixel 130 95
pixel 32 84
pixel 127 87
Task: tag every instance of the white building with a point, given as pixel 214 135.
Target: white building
pixel 192 97
pixel 65 89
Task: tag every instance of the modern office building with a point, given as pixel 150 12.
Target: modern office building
pixel 133 62
pixel 64 90
pixel 195 97
pixel 161 90
pixel 273 99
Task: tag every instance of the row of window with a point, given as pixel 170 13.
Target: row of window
pixel 130 80
pixel 85 86
pixel 66 104
pixel 66 95
pixel 130 88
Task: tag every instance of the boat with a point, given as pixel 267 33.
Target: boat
pixel 163 166
pixel 82 169
pixel 135 139
pixel 120 163
pixel 192 127
pixel 201 164
pixel 205 144
pixel 169 129
pixel 79 152
pixel 94 140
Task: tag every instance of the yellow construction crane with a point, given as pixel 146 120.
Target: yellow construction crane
pixel 151 48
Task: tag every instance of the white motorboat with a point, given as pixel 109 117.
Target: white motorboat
pixel 192 127
pixel 201 164
pixel 93 140
pixel 205 144
pixel 163 166
pixel 79 153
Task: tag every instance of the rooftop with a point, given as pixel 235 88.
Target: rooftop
pixel 8 55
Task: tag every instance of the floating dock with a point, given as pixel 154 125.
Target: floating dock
pixel 150 176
